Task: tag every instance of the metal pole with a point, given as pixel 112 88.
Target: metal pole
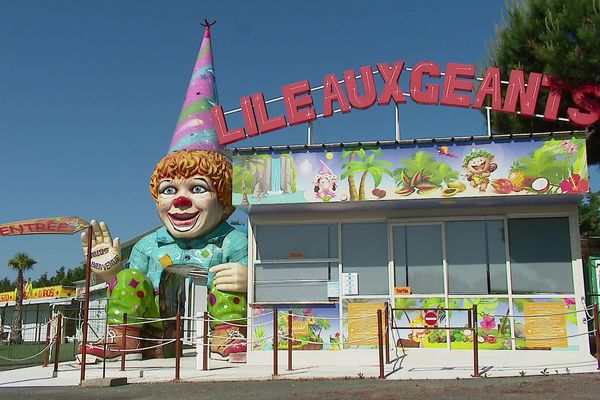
pixel 380 342
pixel 275 333
pixel 597 334
pixel 57 344
pixel 177 346
pixel 397 111
pixel 205 343
pixel 124 342
pixel 489 121
pixel 309 134
pixel 105 338
pixel 387 334
pixel 475 343
pixel 290 336
pixel 86 302
pixel 47 352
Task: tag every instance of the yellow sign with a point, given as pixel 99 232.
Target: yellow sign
pixel 362 323
pixel 540 325
pixel 399 290
pixel 299 329
pixel 39 293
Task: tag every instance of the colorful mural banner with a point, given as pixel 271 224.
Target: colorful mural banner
pixel 39 293
pixel 55 225
pixel 533 166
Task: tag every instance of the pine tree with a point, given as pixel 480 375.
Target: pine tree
pixel 559 38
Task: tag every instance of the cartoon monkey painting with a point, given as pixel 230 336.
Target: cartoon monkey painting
pixel 479 166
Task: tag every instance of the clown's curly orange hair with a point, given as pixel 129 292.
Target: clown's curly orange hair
pixel 187 163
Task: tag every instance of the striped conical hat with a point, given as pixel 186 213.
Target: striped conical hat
pixel 195 128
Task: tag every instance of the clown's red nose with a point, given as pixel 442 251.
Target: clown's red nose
pixel 182 202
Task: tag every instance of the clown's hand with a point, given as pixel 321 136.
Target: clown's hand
pixel 231 277
pixel 106 253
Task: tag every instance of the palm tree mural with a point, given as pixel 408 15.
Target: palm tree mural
pixel 367 165
pixel 19 262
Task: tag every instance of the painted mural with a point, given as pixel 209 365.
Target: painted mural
pixel 507 168
pixel 534 324
pixel 313 327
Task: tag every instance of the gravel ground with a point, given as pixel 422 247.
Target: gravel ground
pixel 574 386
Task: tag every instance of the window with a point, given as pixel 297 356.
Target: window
pixel 418 258
pixel 476 257
pixel 295 262
pixel 540 254
pixel 308 241
pixel 365 251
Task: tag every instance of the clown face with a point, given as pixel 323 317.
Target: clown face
pixel 188 207
pixel 479 165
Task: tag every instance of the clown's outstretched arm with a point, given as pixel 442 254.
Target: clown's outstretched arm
pixel 231 277
pixel 106 252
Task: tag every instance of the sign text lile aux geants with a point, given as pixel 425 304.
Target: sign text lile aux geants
pixel 454 91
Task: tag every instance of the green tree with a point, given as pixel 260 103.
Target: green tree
pixel 589 215
pixel 20 262
pixel 559 38
pixel 367 165
pixel 6 285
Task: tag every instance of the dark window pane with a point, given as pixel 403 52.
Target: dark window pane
pixel 276 242
pixel 364 250
pixel 540 254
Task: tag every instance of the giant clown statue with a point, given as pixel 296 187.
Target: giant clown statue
pixel 192 189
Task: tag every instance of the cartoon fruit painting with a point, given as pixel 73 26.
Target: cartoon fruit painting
pixel 453 188
pixel 518 180
pixel 502 185
pixel 540 185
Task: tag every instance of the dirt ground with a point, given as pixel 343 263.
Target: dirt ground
pixel 574 386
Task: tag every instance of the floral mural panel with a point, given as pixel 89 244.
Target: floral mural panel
pixel 458 169
pixel 546 324
pixel 493 324
pixel 313 327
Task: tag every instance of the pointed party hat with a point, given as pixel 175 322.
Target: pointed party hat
pixel 195 128
pixel 325 169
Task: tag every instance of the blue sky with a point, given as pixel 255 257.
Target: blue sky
pixel 90 91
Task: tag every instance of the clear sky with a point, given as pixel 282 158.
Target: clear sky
pixel 90 91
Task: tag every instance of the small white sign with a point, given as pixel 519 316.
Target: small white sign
pixel 333 289
pixel 350 283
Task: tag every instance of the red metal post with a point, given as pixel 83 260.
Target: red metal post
pixel 124 342
pixel 205 343
pixel 57 344
pixel 290 335
pixel 275 344
pixel 387 333
pixel 86 302
pixel 380 340
pixel 47 352
pixel 177 346
pixel 597 334
pixel 475 343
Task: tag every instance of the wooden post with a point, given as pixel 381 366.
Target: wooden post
pixel 57 344
pixel 177 346
pixel 475 343
pixel 205 343
pixel 290 335
pixel 47 352
pixel 124 342
pixel 275 334
pixel 380 342
pixel 597 334
pixel 387 333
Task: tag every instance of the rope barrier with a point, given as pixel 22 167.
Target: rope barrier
pixel 30 357
pixel 538 315
pixel 549 338
pixel 341 342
